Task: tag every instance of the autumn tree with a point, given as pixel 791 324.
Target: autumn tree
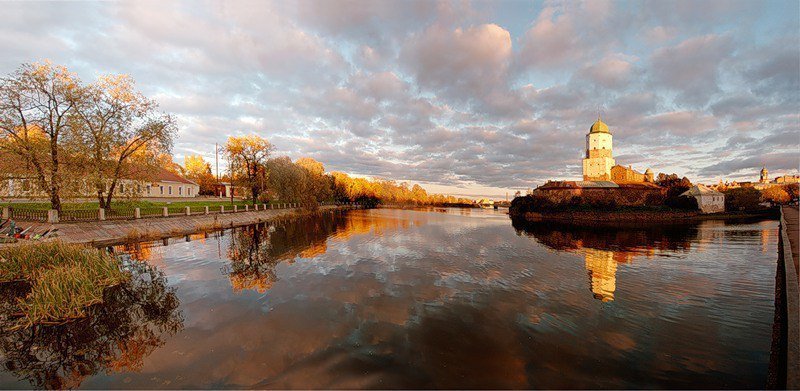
pixel 36 102
pixel 112 123
pixel 777 195
pixel 318 185
pixel 198 170
pixel 286 180
pixel 247 157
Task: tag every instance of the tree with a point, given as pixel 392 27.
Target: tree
pixel 198 170
pixel 286 179
pixel 247 157
pixel 113 122
pixel 776 195
pixel 318 185
pixel 742 198
pixel 35 104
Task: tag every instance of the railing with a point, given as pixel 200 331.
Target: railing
pixel 28 214
pixel 77 215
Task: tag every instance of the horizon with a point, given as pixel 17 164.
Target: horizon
pixel 475 99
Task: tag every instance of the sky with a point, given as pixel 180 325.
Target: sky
pixel 477 98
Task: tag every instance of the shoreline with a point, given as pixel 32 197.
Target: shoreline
pixel 105 233
pixel 595 217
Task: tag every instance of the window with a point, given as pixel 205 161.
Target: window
pixel 170 189
pixel 180 190
pixel 162 189
pixel 121 187
pixel 148 189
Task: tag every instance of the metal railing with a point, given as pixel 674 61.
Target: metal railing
pixel 77 215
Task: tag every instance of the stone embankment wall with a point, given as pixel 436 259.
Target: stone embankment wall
pixel 643 217
pixel 111 232
pixel 621 196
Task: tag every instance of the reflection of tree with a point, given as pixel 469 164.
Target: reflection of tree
pixel 256 250
pixel 252 266
pixel 604 246
pixel 134 319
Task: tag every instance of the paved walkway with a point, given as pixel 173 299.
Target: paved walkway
pixel 109 232
pixel 793 231
pixel 789 253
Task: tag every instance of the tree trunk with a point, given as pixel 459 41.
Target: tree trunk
pixel 100 200
pixel 110 194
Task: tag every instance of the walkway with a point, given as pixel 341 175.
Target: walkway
pixel 789 254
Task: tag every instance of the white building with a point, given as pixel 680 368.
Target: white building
pixel 708 200
pixel 162 184
pixel 599 159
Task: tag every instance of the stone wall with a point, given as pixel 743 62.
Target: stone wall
pixel 620 196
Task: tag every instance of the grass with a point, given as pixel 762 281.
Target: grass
pixel 65 279
pixel 132 204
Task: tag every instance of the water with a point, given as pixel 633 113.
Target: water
pixel 439 298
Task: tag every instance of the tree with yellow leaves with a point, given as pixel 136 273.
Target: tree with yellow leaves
pixel 36 102
pixel 247 157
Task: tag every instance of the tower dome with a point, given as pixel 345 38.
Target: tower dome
pixel 599 127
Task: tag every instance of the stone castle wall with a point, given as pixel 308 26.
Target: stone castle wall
pixel 621 196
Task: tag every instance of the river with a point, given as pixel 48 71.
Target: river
pixel 433 298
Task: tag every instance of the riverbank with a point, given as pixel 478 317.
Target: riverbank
pixel 635 216
pixel 101 233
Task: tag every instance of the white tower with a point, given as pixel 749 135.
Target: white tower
pixel 599 159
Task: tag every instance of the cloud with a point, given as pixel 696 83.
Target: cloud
pixel 691 67
pixel 490 95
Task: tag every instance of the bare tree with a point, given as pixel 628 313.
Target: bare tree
pixel 114 123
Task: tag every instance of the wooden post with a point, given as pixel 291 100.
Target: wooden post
pixel 101 214
pixel 255 207
pixel 165 212
pixel 137 213
pixel 235 208
pixel 222 209
pixel 206 211
pixel 6 213
pixel 52 216
pixel 247 208
pixel 188 211
pixel 272 206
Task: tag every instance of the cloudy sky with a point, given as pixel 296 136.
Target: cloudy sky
pixel 472 98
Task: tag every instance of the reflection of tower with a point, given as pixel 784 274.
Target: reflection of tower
pixel 602 270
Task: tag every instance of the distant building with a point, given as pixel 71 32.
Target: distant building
pixel 708 200
pixel 599 159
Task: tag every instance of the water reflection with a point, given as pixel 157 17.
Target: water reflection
pixel 117 336
pixel 461 299
pixel 605 247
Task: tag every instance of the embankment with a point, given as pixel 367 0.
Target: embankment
pixel 634 216
pixel 99 233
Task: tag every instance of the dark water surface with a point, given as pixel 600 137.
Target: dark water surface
pixel 453 298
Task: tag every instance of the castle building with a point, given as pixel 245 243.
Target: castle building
pixel 764 175
pixel 599 159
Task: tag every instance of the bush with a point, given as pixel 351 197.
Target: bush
pixel 776 195
pixel 742 198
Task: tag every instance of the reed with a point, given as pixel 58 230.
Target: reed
pixel 65 279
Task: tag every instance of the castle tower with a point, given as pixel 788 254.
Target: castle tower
pixel 764 175
pixel 599 159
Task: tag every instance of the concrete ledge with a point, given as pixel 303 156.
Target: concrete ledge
pixel 792 310
pixel 102 233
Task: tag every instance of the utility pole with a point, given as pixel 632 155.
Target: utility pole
pixel 216 159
